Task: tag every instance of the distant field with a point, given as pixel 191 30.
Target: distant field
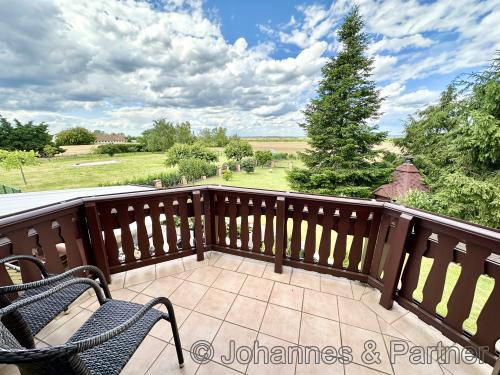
pixel 77 150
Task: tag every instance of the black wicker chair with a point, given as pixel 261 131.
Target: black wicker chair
pixel 103 345
pixel 26 322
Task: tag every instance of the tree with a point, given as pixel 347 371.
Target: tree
pixel 341 159
pixel 215 137
pixel 50 150
pixel 456 144
pixel 237 149
pixel 263 158
pixel 18 159
pixel 248 164
pixel 165 134
pixel 75 136
pixel 180 151
pixel 25 137
pixel 183 133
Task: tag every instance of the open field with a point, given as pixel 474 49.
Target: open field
pixel 77 150
pixel 63 172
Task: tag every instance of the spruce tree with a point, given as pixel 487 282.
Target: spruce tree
pixel 341 159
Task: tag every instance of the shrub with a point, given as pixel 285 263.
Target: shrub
pixel 232 165
pixel 180 151
pixel 280 156
pixel 248 164
pixel 263 158
pixel 193 169
pixel 75 136
pixel 119 148
pixel 237 149
pixel 168 179
pixel 227 175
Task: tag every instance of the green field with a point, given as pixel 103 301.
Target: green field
pixel 63 172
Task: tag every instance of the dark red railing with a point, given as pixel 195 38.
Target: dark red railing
pixel 385 245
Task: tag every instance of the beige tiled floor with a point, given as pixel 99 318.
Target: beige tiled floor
pixel 228 299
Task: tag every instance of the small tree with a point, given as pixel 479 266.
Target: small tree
pixel 75 136
pixel 237 149
pixel 180 151
pixel 49 151
pixel 18 159
pixel 263 158
pixel 227 175
pixel 248 164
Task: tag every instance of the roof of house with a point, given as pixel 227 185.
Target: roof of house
pixel 110 138
pixel 406 177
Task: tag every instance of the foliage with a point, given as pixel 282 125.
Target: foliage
pixel 248 164
pixel 281 156
pixel 23 136
pixel 263 158
pixel 181 151
pixel 237 149
pixel 232 165
pixel 50 150
pixel 215 137
pixel 193 169
pixel 119 148
pixel 227 175
pixel 75 136
pixel 165 134
pixel 168 179
pixel 341 159
pixel 456 144
pixel 18 159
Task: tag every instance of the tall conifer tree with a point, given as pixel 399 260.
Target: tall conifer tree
pixel 341 159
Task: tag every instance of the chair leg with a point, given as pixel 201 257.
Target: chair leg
pixel 175 332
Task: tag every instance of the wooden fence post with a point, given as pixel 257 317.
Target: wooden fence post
pixel 198 227
pixel 96 240
pixel 280 234
pixel 394 265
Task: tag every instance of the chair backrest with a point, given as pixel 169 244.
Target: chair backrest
pixel 38 361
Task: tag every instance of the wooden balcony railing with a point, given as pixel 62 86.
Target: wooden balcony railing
pixel 407 254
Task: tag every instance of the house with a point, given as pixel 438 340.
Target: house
pixel 110 138
pixel 406 177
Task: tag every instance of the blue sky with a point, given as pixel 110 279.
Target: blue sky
pixel 250 66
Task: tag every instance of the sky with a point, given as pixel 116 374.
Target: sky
pixel 250 66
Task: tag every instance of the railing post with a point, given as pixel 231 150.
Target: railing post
pixel 280 234
pixel 96 240
pixel 394 265
pixel 198 227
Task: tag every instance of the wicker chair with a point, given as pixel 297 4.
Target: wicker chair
pixel 27 321
pixel 103 344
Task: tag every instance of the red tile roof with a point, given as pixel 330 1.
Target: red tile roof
pixel 406 177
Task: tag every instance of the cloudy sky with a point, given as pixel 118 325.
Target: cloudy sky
pixel 250 66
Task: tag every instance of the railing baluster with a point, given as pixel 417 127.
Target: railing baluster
pixel 126 236
pixel 256 232
pixel 183 214
pixel 157 231
pixel 198 228
pixel 356 250
pixel 462 296
pixel 341 242
pixel 280 234
pixel 74 251
pixel 434 285
pixel 326 236
pixel 295 243
pixel 269 233
pixel 233 224
pixel 106 220
pixel 208 219
pixel 142 233
pixel 244 235
pixel 221 217
pixel 310 243
pixel 379 246
pixel 168 206
pixel 48 243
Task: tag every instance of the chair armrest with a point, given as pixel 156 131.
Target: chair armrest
pixel 55 278
pixel 30 258
pixel 26 301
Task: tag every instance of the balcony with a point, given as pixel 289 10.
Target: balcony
pixel 290 270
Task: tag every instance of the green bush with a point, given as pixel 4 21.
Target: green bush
pixel 237 149
pixel 75 136
pixel 119 148
pixel 280 155
pixel 227 175
pixel 263 158
pixel 248 164
pixel 180 151
pixel 193 169
pixel 168 179
pixel 232 165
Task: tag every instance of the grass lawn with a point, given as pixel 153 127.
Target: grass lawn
pixel 63 173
